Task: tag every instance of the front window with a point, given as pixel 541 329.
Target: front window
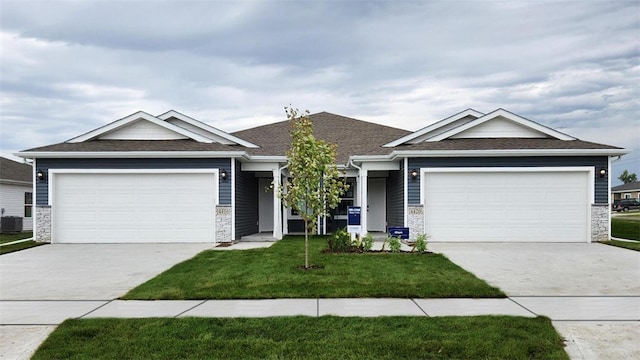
pixel 28 204
pixel 348 199
pixel 627 196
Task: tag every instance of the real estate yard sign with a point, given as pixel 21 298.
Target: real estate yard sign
pixel 353 220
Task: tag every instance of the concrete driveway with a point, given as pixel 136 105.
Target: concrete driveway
pixel 549 269
pixel 86 272
pixel 571 279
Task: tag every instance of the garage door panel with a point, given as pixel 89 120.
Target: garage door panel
pixel 155 207
pixel 507 205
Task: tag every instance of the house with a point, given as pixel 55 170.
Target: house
pixel 626 191
pixel 469 177
pixel 16 194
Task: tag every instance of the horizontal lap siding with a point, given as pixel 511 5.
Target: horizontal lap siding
pixel 601 186
pixel 246 203
pixel 42 187
pixel 395 198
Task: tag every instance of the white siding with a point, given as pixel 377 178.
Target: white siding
pixel 499 128
pixel 12 201
pixel 142 130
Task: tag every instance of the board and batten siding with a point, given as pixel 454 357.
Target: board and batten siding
pixel 42 187
pixel 601 186
pixel 246 203
pixel 395 198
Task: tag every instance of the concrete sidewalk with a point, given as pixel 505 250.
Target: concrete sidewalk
pixel 574 308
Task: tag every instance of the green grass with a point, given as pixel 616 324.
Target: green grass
pixel 632 245
pixel 6 249
pixel 5 238
pixel 626 227
pixel 482 337
pixel 273 273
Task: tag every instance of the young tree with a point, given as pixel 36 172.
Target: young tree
pixel 315 185
pixel 627 178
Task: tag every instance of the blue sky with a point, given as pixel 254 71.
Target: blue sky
pixel 68 67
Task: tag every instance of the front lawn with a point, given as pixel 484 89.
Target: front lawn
pixel 5 249
pixel 5 238
pixel 626 227
pixel 273 273
pixel 482 337
pixel 631 245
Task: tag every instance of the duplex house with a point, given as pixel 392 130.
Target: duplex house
pixel 16 195
pixel 469 177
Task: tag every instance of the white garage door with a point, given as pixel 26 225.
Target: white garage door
pixel 133 207
pixel 507 206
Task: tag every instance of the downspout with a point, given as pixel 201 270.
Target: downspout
pixel 279 223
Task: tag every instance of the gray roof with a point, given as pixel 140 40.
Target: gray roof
pixel 136 145
pixel 352 136
pixel 14 171
pixel 504 144
pixel 627 187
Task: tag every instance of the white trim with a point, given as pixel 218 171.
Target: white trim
pixel 507 115
pixel 405 191
pixel 206 127
pixel 589 170
pixel 140 115
pixel 434 126
pixel 35 202
pixel 609 200
pixel 233 200
pixel 132 154
pixel 54 172
pixel 394 155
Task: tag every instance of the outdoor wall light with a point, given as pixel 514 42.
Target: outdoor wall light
pixel 223 175
pixel 40 175
pixel 602 173
pixel 414 174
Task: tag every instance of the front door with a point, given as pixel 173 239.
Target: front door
pixel 377 204
pixel 265 205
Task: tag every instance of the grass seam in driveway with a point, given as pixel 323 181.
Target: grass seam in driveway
pixel 273 273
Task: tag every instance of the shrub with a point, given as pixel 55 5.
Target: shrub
pixel 340 241
pixel 421 243
pixel 394 244
pixel 367 242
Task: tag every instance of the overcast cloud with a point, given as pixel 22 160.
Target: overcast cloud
pixel 69 67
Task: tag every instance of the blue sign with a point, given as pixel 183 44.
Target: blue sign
pixel 353 215
pixel 353 220
pixel 401 232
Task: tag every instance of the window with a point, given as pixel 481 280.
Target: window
pixel 28 204
pixel 627 196
pixel 348 199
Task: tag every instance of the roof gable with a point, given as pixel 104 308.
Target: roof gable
pixel 186 122
pixel 140 126
pixel 436 128
pixel 501 124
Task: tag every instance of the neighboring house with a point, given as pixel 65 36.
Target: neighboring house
pixel 626 191
pixel 469 177
pixel 16 190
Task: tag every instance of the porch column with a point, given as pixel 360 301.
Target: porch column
pixel 364 202
pixel 277 206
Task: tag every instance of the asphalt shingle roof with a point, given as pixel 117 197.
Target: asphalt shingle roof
pixel 625 187
pixel 137 145
pixel 504 144
pixel 15 171
pixel 352 136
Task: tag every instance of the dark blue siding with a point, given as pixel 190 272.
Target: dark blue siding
pixel 246 203
pixel 395 197
pixel 601 186
pixel 42 187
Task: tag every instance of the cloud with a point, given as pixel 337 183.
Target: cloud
pixel 68 67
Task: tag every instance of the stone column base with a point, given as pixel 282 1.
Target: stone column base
pixel 415 220
pixel 43 224
pixel 600 222
pixel 223 223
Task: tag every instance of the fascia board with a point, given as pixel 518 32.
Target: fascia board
pixel 132 154
pixel 507 115
pixel 134 117
pixel 15 182
pixel 434 126
pixel 206 127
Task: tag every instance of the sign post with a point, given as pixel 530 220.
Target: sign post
pixel 353 220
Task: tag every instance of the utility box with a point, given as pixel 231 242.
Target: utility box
pixel 11 224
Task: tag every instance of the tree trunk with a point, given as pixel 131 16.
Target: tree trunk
pixel 306 244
